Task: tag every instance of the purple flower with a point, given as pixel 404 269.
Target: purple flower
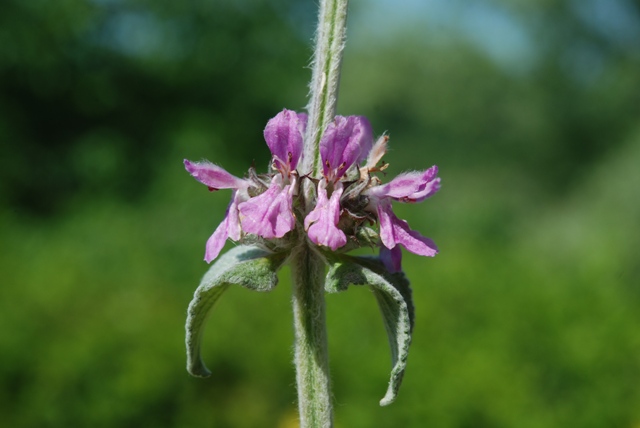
pixel 347 195
pixel 270 215
pixel 216 178
pixel 283 135
pixel 345 142
pixel 409 187
pixel 321 222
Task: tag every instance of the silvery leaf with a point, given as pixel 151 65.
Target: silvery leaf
pixel 249 266
pixel 393 295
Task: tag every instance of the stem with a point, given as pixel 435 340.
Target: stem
pixel 325 80
pixel 311 356
pixel 307 267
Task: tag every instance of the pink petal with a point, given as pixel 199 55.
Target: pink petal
pixel 213 176
pixel 270 214
pixel 283 135
pixel 409 187
pixel 229 228
pixel 323 220
pixel 395 231
pixel 347 140
pixel 216 241
pixel 385 218
pixel 413 241
pixel 233 220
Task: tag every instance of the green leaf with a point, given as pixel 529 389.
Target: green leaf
pixel 249 266
pixel 393 294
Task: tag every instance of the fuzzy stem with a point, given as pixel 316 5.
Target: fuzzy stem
pixel 307 267
pixel 311 356
pixel 325 80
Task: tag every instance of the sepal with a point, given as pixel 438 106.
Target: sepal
pixel 393 295
pixel 250 266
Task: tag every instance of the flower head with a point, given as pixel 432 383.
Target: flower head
pixel 348 196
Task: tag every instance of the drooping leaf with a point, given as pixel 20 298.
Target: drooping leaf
pixel 393 295
pixel 249 266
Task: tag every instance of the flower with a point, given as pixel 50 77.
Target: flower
pixel 348 196
pixel 408 187
pixel 345 142
pixel 270 215
pixel 321 223
pixel 215 177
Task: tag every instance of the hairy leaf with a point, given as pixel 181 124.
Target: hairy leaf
pixel 249 266
pixel 393 295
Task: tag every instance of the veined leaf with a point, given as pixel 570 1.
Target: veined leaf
pixel 249 266
pixel 393 295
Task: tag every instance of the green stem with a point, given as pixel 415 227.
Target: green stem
pixel 311 356
pixel 325 80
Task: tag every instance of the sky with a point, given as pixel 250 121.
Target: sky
pixel 491 26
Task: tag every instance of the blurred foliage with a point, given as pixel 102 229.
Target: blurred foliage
pixel 529 317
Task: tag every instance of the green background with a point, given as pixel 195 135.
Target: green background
pixel 528 317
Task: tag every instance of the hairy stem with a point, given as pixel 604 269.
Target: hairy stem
pixel 325 80
pixel 311 356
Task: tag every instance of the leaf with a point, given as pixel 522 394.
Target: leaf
pixel 249 266
pixel 393 295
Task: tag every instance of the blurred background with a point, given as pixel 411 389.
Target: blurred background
pixel 529 316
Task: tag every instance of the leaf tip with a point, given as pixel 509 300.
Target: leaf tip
pixel 389 398
pixel 198 369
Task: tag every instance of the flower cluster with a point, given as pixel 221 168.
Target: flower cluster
pixel 349 197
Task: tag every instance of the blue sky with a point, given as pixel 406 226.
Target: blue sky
pixel 493 30
pixel 486 24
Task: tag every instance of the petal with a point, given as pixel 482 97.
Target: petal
pixel 347 140
pixel 233 220
pixel 409 187
pixel 395 231
pixel 414 241
pixel 217 240
pixel 214 176
pixel 270 214
pixel 385 217
pixel 283 135
pixel 392 259
pixel 229 228
pixel 430 187
pixel 325 216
